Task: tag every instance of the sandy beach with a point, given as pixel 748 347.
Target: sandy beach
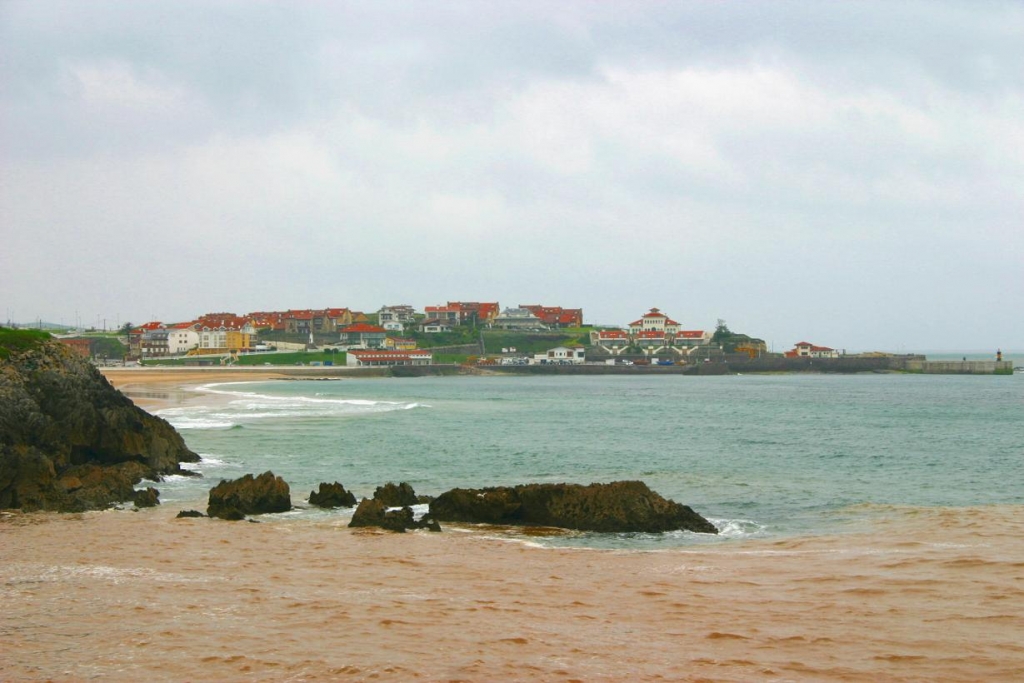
pixel 916 594
pixel 122 595
pixel 152 388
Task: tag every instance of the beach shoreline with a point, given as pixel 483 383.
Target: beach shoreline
pixel 929 594
pixel 903 594
pixel 156 388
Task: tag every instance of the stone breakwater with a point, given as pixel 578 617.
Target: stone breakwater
pixel 69 441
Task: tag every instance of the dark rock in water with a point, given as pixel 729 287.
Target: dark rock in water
pixel 429 523
pixel 189 513
pixel 231 514
pixel 373 513
pixel 370 512
pixel 622 506
pixel 147 498
pixel 398 520
pixel 332 496
pixel 68 440
pixel 393 495
pixel 249 496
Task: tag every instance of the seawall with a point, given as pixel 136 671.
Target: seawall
pixel 957 367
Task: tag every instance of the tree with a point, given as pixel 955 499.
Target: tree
pixel 722 333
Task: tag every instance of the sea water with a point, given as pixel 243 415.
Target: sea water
pixel 759 455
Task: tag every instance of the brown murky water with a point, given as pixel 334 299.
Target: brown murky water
pixel 933 594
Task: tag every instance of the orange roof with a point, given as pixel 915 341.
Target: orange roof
pixel 363 327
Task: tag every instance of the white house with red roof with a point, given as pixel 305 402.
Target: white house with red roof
pixel 182 338
pixel 808 350
pixel 363 336
pixel 464 312
pixel 654 320
pixel 651 341
pixel 690 338
pixel 612 341
pixel 380 357
pixel 448 314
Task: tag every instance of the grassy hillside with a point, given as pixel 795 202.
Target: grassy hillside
pixel 16 341
pixel 534 342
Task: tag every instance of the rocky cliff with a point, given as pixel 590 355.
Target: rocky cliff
pixel 68 440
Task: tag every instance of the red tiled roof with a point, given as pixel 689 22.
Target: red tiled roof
pixel 363 327
pixel 812 347
pixel 612 334
pixel 691 334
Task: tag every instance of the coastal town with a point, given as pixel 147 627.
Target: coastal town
pixel 476 334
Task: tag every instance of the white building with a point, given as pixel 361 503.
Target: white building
pixel 182 339
pixel 380 357
pixel 561 355
pixel 654 321
pixel 518 319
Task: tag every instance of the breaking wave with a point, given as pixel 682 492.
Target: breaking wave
pixel 235 409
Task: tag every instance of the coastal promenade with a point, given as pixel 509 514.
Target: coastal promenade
pixel 121 376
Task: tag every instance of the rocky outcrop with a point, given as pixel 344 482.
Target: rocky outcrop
pixel 395 495
pixel 249 496
pixel 373 513
pixel 332 496
pixel 147 498
pixel 68 440
pixel 623 506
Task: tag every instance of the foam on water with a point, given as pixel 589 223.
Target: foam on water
pixel 739 528
pixel 248 407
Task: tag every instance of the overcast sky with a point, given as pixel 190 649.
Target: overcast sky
pixel 846 173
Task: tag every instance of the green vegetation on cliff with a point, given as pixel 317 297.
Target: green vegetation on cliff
pixel 15 341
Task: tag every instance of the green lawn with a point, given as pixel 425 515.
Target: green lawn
pixel 303 357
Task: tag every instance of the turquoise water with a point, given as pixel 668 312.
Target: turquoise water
pixel 758 455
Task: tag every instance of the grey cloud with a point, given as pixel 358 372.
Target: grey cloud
pixel 784 165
